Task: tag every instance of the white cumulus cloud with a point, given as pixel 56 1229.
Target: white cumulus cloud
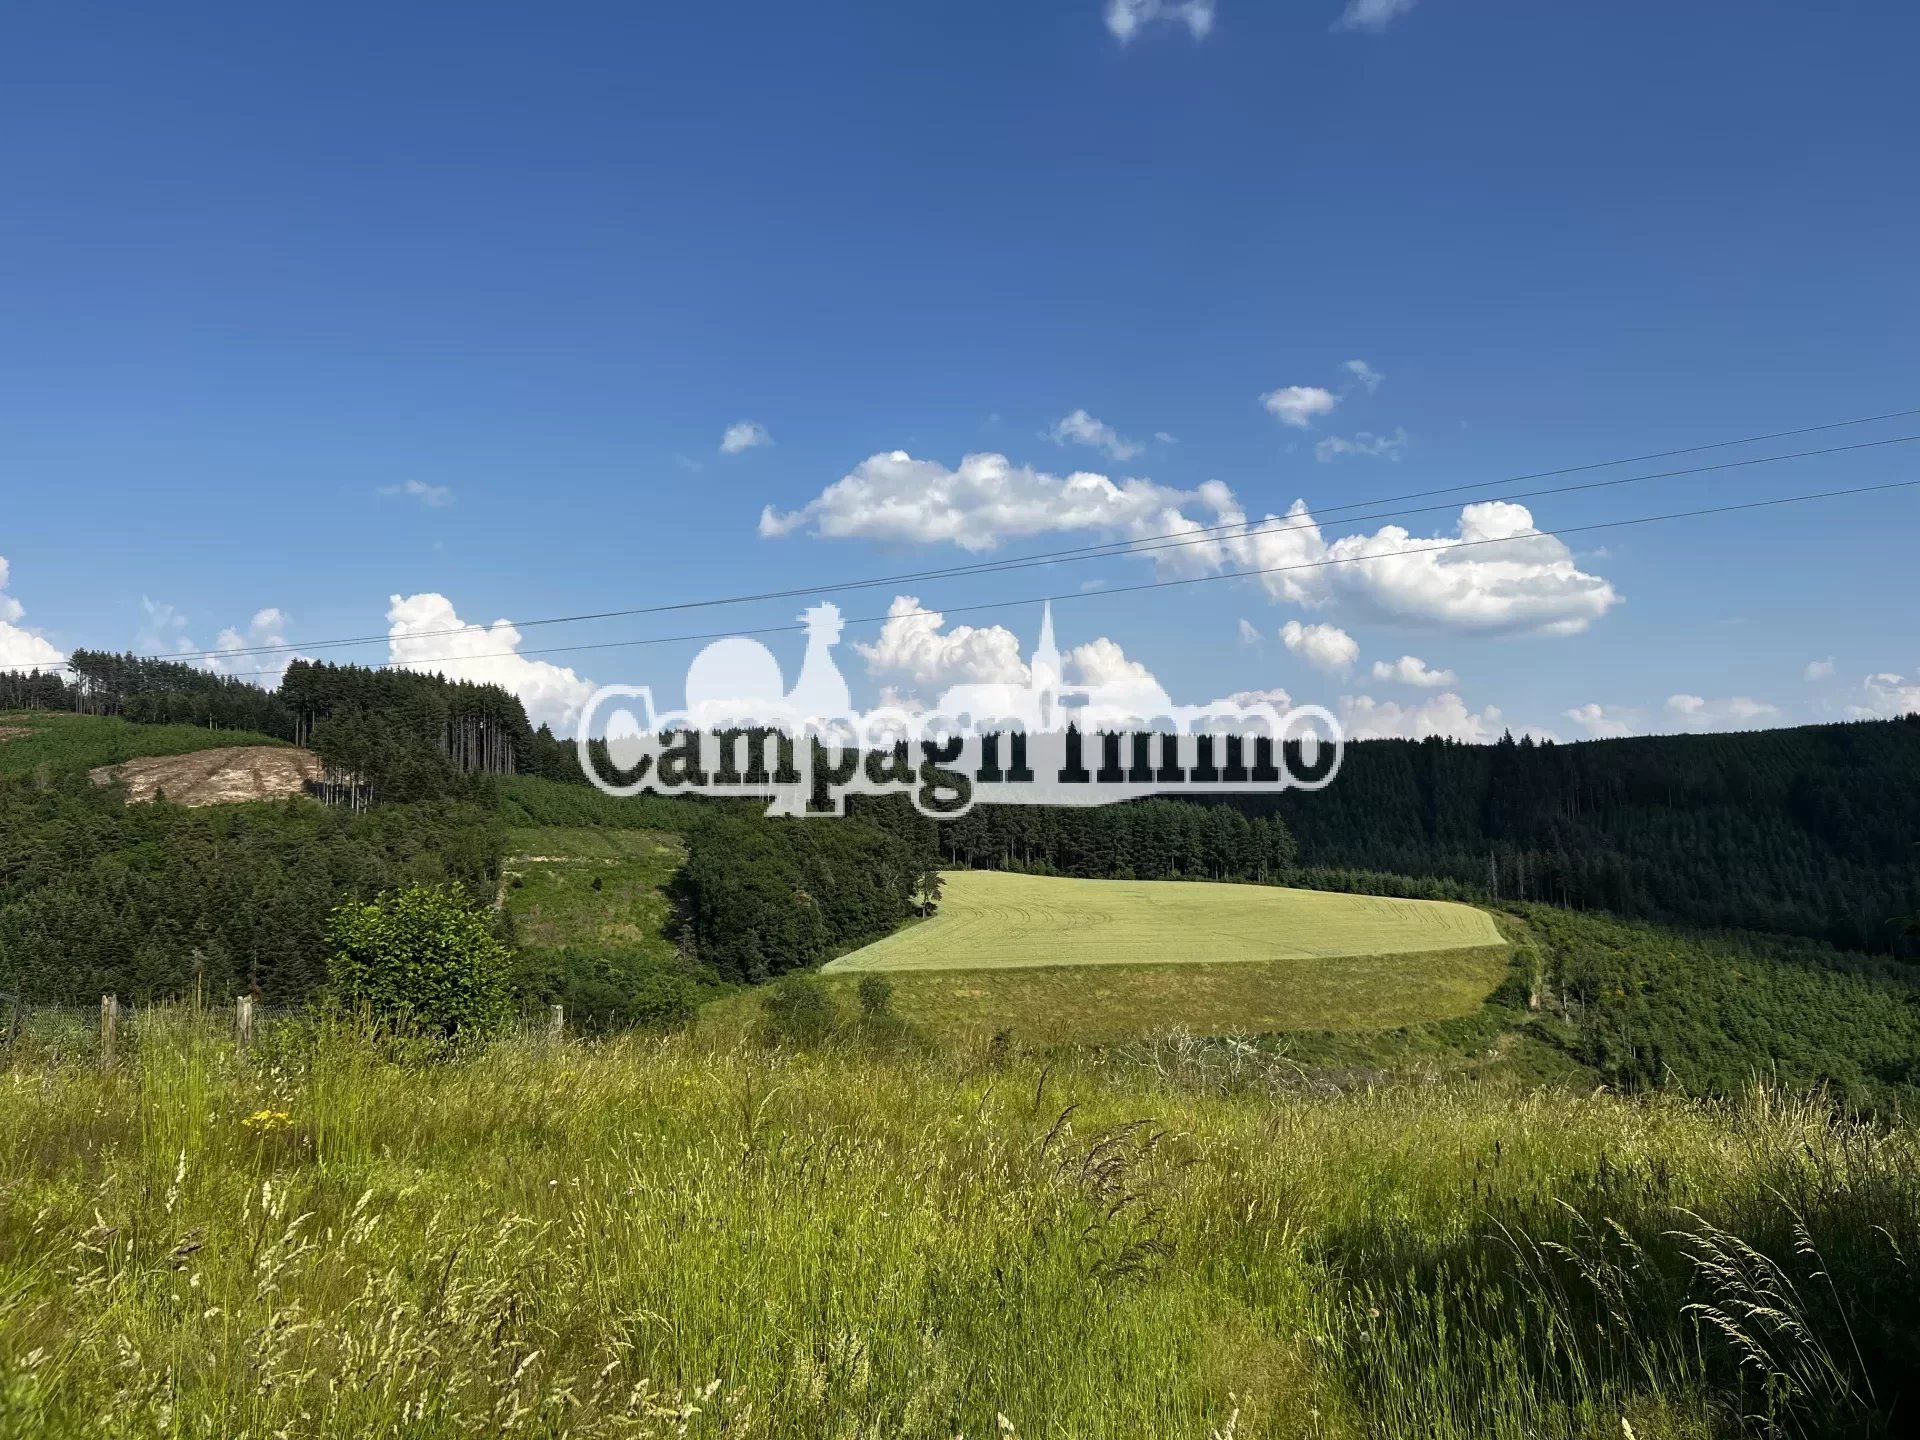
pixel 1412 670
pixel 1818 670
pixel 1249 633
pixel 1364 373
pixel 1444 716
pixel 1735 712
pixel 1327 646
pixel 984 502
pixel 162 630
pixel 1080 428
pixel 915 649
pixel 266 631
pixel 20 647
pixel 1274 696
pixel 916 658
pixel 553 695
pixel 1886 695
pixel 1497 572
pixel 1602 722
pixel 744 435
pixel 1297 405
pixel 1374 15
pixel 1377 447
pixel 1126 17
pixel 1103 662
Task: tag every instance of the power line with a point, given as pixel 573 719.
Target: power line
pixel 1146 545
pixel 1325 563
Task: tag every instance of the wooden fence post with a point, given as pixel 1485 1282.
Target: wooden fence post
pixel 243 1022
pixel 109 1028
pixel 556 1022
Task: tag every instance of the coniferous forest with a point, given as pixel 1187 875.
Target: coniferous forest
pixel 1810 831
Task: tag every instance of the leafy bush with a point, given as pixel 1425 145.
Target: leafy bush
pixel 606 990
pixel 799 1010
pixel 422 959
pixel 876 997
pixel 881 1028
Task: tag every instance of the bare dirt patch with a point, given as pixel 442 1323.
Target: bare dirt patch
pixel 8 732
pixel 217 777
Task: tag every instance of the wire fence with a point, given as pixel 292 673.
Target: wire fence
pixel 37 1031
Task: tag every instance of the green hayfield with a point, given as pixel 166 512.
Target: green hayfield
pixel 991 921
pixel 1100 1003
pixel 1058 960
pixel 69 743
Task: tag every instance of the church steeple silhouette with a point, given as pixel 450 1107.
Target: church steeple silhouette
pixel 1045 669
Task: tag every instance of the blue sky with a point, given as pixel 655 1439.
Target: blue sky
pixel 304 311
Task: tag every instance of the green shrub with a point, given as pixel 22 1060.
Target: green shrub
pixel 421 959
pixel 876 997
pixel 800 1010
pixel 608 990
pixel 881 1028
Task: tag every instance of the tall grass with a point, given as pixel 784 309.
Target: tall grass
pixel 687 1237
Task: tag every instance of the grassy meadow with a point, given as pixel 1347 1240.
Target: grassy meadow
pixel 994 920
pixel 1066 961
pixel 701 1236
pixel 1066 1004
pixel 569 887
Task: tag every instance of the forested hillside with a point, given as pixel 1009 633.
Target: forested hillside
pixel 386 735
pixel 1649 1007
pixel 150 901
pixel 758 896
pixel 1811 831
pixel 1146 840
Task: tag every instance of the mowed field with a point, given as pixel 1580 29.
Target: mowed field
pixel 1058 960
pixel 992 920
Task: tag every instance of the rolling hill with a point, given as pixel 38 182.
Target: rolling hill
pixel 1058 960
pixel 990 920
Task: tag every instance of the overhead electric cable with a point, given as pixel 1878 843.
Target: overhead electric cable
pixel 1449 546
pixel 1144 545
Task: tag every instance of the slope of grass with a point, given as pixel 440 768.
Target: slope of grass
pixel 577 888
pixel 1102 1003
pixel 659 1238
pixel 68 744
pixel 992 920
pixel 1058 960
